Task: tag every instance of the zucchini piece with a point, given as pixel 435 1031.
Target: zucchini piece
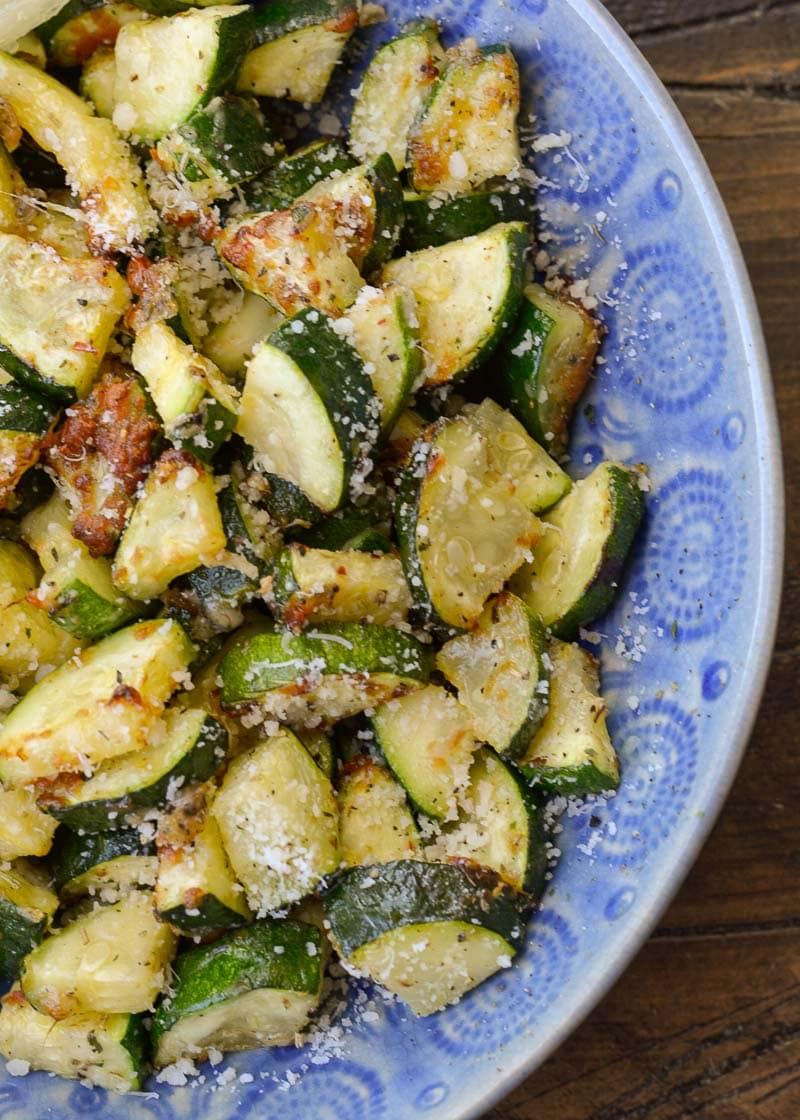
pixel 113 960
pixel 431 219
pixel 196 404
pixel 29 642
pixel 461 533
pixel 298 46
pixel 64 230
pixel 362 527
pixel 293 258
pixel 547 359
pixel 230 345
pixel 375 822
pixel 254 987
pixel 218 147
pixel 323 675
pixel 174 528
pixel 12 187
pixel 320 747
pixel 392 92
pixel 83 26
pixel 499 826
pixel 295 174
pixel 312 585
pixel 186 61
pixel 467 294
pixel 537 479
pixel 466 132
pixel 196 891
pixel 27 906
pixel 386 336
pixel 190 746
pixel 308 408
pixel 427 739
pixel 277 815
pixel 95 158
pixel 76 590
pixel 577 564
pixel 97 81
pixel 24 829
pixel 500 671
pixel 103 703
pixel 25 418
pixel 108 1051
pixel 572 753
pixel 428 932
pixel 367 205
pixel 104 864
pixel 56 316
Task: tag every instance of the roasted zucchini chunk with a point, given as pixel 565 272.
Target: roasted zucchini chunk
pixel 376 824
pixel 393 90
pixel 253 987
pixel 25 419
pixel 428 932
pixel 189 59
pixel 105 702
pixel 27 906
pixel 97 161
pixel 56 316
pixel 294 258
pixel 297 49
pixel 175 527
pixel 466 132
pixel 277 815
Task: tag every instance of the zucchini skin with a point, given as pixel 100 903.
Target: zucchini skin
pixel 452 219
pixel 409 494
pixel 271 659
pixel 28 375
pixel 21 933
pixel 281 17
pixel 627 510
pixel 238 962
pixel 295 174
pixel 73 854
pixel 212 916
pixel 22 410
pixel 199 764
pixel 362 903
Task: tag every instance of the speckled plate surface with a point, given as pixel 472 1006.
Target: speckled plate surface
pixel 629 205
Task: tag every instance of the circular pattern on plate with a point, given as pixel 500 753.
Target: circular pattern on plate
pixel 668 339
pixel 485 1019
pixel 579 96
pixel 658 746
pixel 325 1092
pixel 694 555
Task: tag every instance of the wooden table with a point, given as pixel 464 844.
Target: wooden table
pixel 706 1021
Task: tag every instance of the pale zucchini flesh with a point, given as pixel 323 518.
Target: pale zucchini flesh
pixel 103 703
pixel 578 560
pixel 466 132
pixel 427 740
pixel 467 295
pixel 500 671
pixel 572 753
pixel 113 960
pixel 97 161
pixel 104 1050
pixel 24 829
pixel 56 316
pixel 167 68
pixel 392 92
pixel 175 527
pixel 386 335
pixel 277 815
pixel 375 822
pixel 298 65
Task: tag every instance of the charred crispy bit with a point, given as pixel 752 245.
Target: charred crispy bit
pixel 152 282
pixel 293 258
pixel 100 455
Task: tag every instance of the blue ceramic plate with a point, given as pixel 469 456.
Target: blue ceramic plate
pixel 630 206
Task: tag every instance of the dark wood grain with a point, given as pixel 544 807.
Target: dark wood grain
pixel 706 1021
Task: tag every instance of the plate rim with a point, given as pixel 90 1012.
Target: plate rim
pixel 771 538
